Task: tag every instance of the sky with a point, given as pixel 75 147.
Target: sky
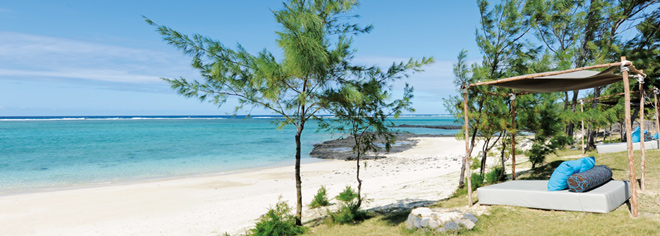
pixel 85 58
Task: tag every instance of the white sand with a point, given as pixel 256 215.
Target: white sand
pixel 212 205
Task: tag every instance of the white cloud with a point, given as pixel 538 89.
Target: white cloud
pixel 31 56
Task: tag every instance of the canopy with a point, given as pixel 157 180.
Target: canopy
pixel 545 83
pixel 557 81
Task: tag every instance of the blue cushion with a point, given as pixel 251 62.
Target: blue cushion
pixel 558 179
pixel 587 163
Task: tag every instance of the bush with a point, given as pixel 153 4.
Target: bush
pixel 320 199
pixel 476 163
pixel 347 195
pixel 348 213
pixel 477 181
pixel 494 175
pixel 278 221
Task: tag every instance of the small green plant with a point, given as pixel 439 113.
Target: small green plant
pixel 348 195
pixel 278 221
pixel 320 199
pixel 476 163
pixel 349 212
pixel 493 176
pixel 477 181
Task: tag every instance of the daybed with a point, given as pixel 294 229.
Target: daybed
pixel 534 194
pixel 620 147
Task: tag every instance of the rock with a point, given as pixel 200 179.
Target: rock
pixel 468 224
pixel 424 222
pixel 417 222
pixel 341 149
pixel 422 211
pixel 433 224
pixel 441 220
pixel 470 217
pixel 451 226
pixel 410 222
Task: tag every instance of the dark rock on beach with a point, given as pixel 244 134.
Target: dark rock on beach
pixel 342 149
pixel 430 126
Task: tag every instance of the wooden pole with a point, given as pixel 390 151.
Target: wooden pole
pixel 513 136
pixel 657 117
pixel 582 112
pixel 631 158
pixel 642 136
pixel 467 146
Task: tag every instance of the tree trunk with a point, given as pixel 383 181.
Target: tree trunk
pixel 357 176
pixel 461 180
pixel 503 173
pixel 298 179
pixel 571 126
pixel 592 133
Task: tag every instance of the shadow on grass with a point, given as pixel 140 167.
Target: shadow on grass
pixel 542 172
pixel 395 218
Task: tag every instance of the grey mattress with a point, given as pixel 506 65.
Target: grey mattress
pixel 620 147
pixel 534 194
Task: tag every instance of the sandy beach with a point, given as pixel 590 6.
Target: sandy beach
pixel 215 204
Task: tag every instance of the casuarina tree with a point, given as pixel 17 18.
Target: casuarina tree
pixel 315 39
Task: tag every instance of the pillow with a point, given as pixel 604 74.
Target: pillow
pixel 587 163
pixel 585 181
pixel 558 179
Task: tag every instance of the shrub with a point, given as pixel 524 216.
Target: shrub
pixel 476 163
pixel 494 175
pixel 347 195
pixel 278 221
pixel 477 181
pixel 349 212
pixel 320 199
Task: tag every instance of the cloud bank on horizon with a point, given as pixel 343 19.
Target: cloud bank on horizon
pixel 42 74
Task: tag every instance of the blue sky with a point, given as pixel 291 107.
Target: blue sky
pixel 61 58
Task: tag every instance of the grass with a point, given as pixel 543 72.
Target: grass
pixel 506 220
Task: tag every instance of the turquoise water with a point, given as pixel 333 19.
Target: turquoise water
pixel 55 152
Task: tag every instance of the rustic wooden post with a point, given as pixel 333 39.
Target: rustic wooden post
pixel 657 117
pixel 467 145
pixel 513 135
pixel 642 135
pixel 582 115
pixel 631 158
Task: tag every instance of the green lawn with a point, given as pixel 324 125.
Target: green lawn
pixel 505 220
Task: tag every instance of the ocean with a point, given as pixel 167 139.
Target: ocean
pixel 39 153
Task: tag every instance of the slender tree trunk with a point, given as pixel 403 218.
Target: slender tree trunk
pixel 298 179
pixel 569 126
pixel 461 180
pixel 591 131
pixel 503 173
pixel 357 176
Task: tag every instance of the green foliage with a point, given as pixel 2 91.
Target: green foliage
pixel 348 195
pixel 349 212
pixel 320 199
pixel 477 180
pixel 475 163
pixel 493 176
pixel 315 40
pixel 278 221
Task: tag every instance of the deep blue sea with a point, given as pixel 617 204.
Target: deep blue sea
pixel 56 152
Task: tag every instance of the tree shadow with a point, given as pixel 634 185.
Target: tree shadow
pixel 397 213
pixel 542 172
